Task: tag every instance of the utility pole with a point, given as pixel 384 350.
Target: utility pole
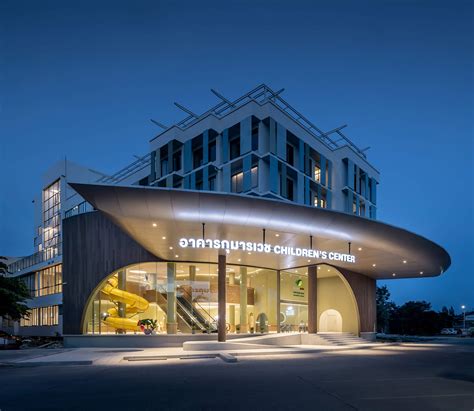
pixel 463 308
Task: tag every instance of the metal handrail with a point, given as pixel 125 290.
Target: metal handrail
pixel 225 106
pixel 127 171
pixel 190 314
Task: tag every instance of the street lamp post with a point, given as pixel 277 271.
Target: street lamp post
pixel 463 308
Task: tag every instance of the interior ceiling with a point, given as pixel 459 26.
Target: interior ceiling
pixel 157 218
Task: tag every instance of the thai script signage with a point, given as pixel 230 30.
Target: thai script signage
pixel 250 246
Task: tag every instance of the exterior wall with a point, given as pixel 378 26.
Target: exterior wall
pixel 273 130
pixel 364 289
pixel 334 294
pixel 93 248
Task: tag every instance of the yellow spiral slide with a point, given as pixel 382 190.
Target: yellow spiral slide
pixel 133 304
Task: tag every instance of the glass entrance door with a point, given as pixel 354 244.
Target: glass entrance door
pixel 294 301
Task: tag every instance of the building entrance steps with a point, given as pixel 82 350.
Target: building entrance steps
pixel 281 340
pixel 342 338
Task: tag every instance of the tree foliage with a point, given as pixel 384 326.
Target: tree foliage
pixel 385 308
pixel 411 318
pixel 13 294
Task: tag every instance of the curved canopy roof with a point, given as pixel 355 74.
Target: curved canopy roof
pixel 157 218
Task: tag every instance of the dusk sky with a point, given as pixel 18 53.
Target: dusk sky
pixel 82 81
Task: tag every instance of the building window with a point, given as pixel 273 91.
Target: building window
pixel 354 206
pixel 42 316
pixel 51 219
pixel 212 150
pixel 235 148
pixel 362 209
pixel 199 185
pixel 45 282
pixel 254 173
pixel 164 167
pixel 289 189
pixel 290 154
pixel 237 182
pixel 177 161
pixel 255 136
pixel 317 174
pixel 197 158
pixel 212 183
pixel 323 203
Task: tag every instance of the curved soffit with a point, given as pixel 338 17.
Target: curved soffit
pixel 180 213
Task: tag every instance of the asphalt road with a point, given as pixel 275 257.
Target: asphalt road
pixel 416 377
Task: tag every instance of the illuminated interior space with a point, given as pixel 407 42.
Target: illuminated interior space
pixel 138 298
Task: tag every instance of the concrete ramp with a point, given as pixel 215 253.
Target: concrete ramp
pixel 248 343
pixel 276 340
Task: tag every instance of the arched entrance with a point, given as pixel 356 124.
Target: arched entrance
pixel 330 321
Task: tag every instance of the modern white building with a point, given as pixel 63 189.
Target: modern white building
pixel 247 212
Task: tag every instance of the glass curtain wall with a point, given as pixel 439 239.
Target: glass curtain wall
pixel 294 300
pixel 154 298
pixel 52 220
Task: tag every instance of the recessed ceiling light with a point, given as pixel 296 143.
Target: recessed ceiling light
pixel 404 261
pixel 239 259
pixel 171 248
pixel 277 235
pixel 329 269
pixel 197 268
pixel 249 253
pixel 154 224
pixel 163 238
pixel 394 274
pixel 360 248
pixel 176 255
pixel 421 272
pixel 374 265
pixel 309 261
pixel 319 267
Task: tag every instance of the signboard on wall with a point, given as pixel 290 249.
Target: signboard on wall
pixel 250 246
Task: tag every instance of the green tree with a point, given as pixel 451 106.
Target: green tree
pixel 416 318
pixel 13 294
pixel 385 308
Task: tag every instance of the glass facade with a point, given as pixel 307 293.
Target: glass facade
pixel 52 220
pixel 45 282
pixel 42 316
pixel 153 297
pixel 179 297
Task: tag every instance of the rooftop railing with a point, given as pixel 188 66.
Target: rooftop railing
pixel 263 94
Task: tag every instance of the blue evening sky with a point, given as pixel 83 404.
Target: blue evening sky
pixel 82 79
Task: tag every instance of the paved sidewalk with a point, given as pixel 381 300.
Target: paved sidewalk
pixel 123 356
pixel 111 356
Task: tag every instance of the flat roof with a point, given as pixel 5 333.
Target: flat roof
pixel 157 218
